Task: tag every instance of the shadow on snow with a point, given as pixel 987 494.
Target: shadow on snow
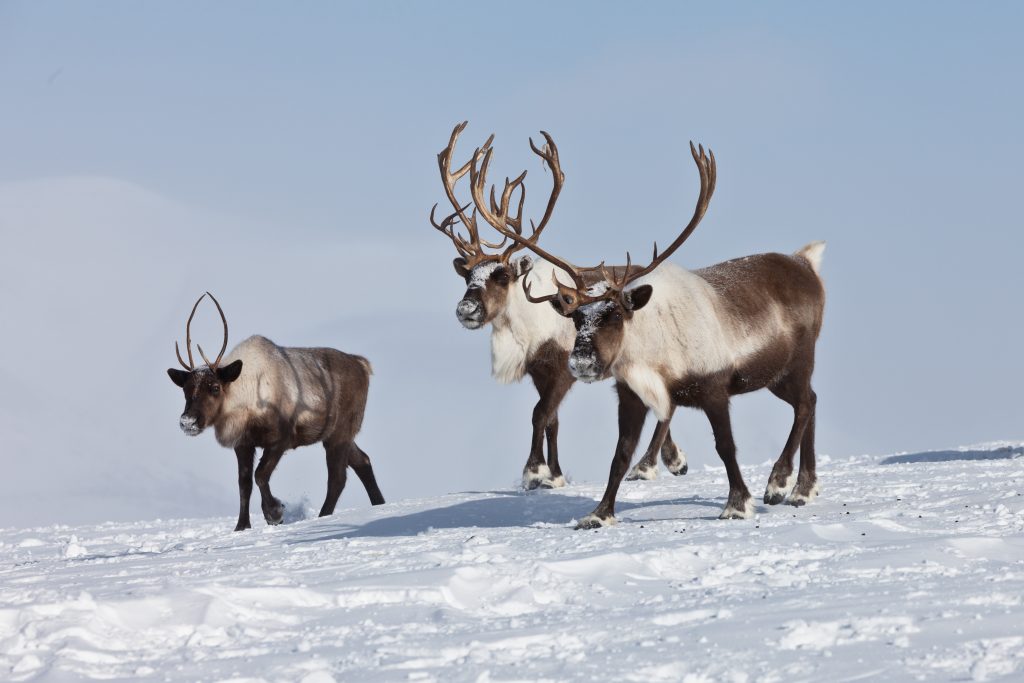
pixel 1004 453
pixel 504 509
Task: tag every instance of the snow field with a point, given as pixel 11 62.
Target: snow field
pixel 906 567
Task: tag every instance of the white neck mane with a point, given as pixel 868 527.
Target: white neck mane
pixel 523 327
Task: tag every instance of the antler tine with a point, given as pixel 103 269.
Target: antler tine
pixel 178 354
pixel 188 337
pixel 470 249
pixel 223 319
pixel 550 155
pixel 540 299
pixel 708 175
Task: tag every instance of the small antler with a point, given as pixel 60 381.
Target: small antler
pixel 224 346
pixel 190 366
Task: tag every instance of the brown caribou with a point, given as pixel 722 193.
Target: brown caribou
pixel 672 337
pixel 525 339
pixel 277 398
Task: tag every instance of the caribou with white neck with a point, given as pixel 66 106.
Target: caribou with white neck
pixel 525 339
pixel 674 337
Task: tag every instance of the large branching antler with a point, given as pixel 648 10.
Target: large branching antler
pixel 708 175
pixel 190 366
pixel 496 213
pixel 573 297
pixel 470 249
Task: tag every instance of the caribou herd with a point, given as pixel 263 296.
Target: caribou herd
pixel 665 335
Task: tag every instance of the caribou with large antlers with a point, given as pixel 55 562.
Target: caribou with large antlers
pixel 525 339
pixel 276 398
pixel 673 337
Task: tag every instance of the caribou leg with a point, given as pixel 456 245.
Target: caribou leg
pixel 739 505
pixel 807 481
pixel 632 413
pixel 337 474
pixel 553 381
pixel 360 462
pixel 671 454
pixel 797 393
pixel 273 509
pixel 245 456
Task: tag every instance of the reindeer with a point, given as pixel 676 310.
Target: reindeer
pixel 673 337
pixel 285 398
pixel 525 339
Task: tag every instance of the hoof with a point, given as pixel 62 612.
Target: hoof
pixel 242 526
pixel 677 466
pixel 680 470
pixel 803 495
pixel 555 483
pixel 641 471
pixel 744 510
pixel 274 514
pixel 592 521
pixel 533 479
pixel 776 493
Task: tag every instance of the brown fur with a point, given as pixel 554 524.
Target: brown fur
pixel 547 367
pixel 747 292
pixel 276 398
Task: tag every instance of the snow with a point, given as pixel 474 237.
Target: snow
pixel 907 567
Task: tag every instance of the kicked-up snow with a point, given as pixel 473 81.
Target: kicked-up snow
pixel 906 567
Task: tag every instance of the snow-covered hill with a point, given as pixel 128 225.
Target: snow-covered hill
pixel 908 566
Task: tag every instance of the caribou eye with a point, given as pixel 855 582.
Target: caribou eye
pixel 215 390
pixel 501 276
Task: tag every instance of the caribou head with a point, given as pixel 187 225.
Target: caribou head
pixel 489 276
pixel 600 302
pixel 205 386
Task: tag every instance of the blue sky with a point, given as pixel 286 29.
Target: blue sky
pixel 295 147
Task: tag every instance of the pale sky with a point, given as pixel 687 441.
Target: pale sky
pixel 284 157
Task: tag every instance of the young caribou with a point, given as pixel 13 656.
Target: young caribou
pixel 525 339
pixel 276 398
pixel 673 337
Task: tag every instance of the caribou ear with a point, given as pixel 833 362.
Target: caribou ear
pixel 230 372
pixel 460 267
pixel 523 266
pixel 636 298
pixel 179 377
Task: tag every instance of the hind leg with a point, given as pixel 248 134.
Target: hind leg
pixel 337 466
pixel 671 454
pixel 552 385
pixel 796 391
pixel 807 481
pixel 360 462
pixel 557 480
pixel 674 457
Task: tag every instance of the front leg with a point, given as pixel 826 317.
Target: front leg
pixel 273 509
pixel 632 413
pixel 552 382
pixel 245 456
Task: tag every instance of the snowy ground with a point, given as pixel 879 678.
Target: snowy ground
pixel 907 567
